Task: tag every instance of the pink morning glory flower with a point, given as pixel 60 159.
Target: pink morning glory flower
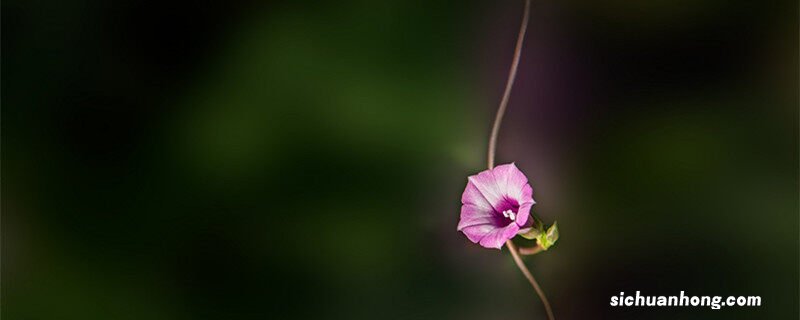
pixel 495 205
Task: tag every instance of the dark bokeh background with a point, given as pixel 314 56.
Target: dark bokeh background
pixel 169 160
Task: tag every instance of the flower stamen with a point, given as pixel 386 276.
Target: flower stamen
pixel 510 214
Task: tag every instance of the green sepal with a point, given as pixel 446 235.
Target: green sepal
pixel 549 238
pixel 536 229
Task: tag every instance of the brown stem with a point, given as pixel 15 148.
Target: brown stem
pixel 521 265
pixel 527 251
pixel 512 74
pixel 501 110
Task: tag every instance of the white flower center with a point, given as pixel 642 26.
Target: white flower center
pixel 510 214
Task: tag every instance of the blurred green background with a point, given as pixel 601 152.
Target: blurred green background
pixel 290 160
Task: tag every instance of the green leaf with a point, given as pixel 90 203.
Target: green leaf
pixel 532 234
pixel 535 230
pixel 549 238
pixel 552 233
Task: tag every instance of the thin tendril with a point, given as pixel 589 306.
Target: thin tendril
pixel 530 278
pixel 512 74
pixel 501 110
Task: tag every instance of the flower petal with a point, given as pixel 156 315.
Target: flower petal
pixel 523 214
pixel 476 233
pixel 511 181
pixel 490 236
pixel 473 215
pixel 497 237
pixel 486 184
pixel 474 197
pixel 527 194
